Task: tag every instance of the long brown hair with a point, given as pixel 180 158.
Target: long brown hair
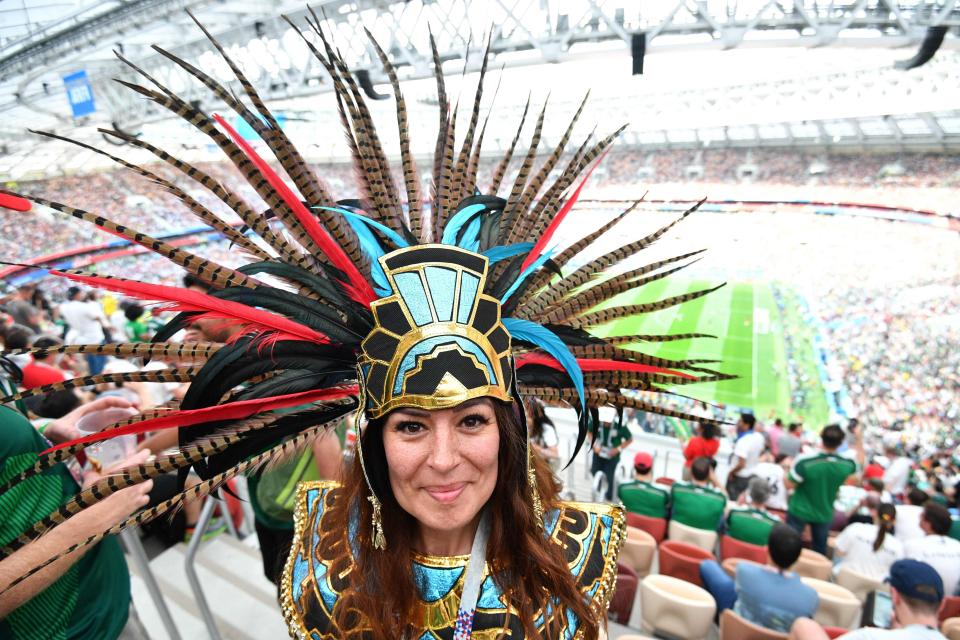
pixel 886 519
pixel 380 589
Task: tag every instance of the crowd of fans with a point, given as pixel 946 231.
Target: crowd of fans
pixel 886 299
pixel 779 167
pixel 870 513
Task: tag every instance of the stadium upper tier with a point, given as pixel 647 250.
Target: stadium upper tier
pixel 910 181
pixel 795 91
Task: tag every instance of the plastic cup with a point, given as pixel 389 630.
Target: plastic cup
pixel 107 452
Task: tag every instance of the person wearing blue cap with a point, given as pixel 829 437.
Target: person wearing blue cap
pixel 917 593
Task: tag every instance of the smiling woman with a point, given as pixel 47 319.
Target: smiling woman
pixel 441 474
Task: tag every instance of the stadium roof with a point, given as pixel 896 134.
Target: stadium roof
pixel 762 83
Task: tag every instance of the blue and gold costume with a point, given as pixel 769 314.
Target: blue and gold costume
pixel 591 534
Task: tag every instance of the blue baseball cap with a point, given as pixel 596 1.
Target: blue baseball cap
pixel 915 579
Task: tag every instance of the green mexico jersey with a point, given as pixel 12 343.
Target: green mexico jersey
pixel 644 498
pixel 696 506
pixel 91 599
pixel 818 478
pixel 750 525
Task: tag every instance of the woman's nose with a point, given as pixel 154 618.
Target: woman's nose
pixel 445 451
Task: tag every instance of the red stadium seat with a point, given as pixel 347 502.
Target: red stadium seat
pixel 664 480
pixel 682 560
pixel 835 632
pixel 733 548
pixel 950 608
pixel 656 527
pixel 624 594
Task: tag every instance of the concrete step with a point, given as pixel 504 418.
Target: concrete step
pixel 243 601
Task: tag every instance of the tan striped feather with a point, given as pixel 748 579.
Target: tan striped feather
pixel 534 188
pixel 587 299
pixel 411 176
pixel 195 207
pixel 193 493
pixel 463 160
pixel 183 374
pixel 162 350
pixel 207 270
pixel 551 295
pixel 542 278
pixel 519 183
pixel 535 224
pixel 602 398
pixel 240 160
pixel 628 340
pixel 607 315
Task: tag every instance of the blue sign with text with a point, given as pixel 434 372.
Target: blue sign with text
pixel 79 93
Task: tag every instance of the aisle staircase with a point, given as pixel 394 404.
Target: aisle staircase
pixel 242 599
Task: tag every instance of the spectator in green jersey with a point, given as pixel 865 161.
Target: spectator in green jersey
pixel 697 504
pixel 752 524
pixel 85 594
pixel 816 478
pixel 643 496
pixel 610 438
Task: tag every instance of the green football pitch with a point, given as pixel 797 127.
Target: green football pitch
pixel 750 344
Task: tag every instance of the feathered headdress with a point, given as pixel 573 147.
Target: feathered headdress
pixel 437 297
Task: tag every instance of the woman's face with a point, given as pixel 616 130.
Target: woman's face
pixel 442 464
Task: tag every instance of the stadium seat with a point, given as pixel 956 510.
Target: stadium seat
pixel 951 628
pixel 624 593
pixel 813 565
pixel 656 527
pixel 835 632
pixel 703 538
pixel 637 551
pixel 733 627
pixel 733 548
pixel 838 606
pixel 665 480
pixel 730 565
pixel 950 608
pixel 676 608
pixel 859 584
pixel 681 560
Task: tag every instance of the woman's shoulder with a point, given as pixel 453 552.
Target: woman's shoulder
pixel 592 535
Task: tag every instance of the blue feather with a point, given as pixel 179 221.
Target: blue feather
pixel 457 222
pixel 496 254
pixel 470 240
pixel 370 246
pixel 548 341
pixel 526 273
pixel 353 218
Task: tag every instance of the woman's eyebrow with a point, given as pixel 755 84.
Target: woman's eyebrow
pixel 410 411
pixel 470 404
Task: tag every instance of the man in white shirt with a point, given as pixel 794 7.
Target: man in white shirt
pixel 935 548
pixel 916 592
pixel 898 473
pixel 86 321
pixel 773 474
pixel 746 451
pixel 908 516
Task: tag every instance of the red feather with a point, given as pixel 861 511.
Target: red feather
pixel 14 202
pixel 591 364
pixel 358 288
pixel 557 219
pixel 230 411
pixel 189 300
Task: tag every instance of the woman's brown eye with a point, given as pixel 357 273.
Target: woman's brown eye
pixel 475 420
pixel 408 427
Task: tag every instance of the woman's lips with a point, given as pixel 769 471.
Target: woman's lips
pixel 447 493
